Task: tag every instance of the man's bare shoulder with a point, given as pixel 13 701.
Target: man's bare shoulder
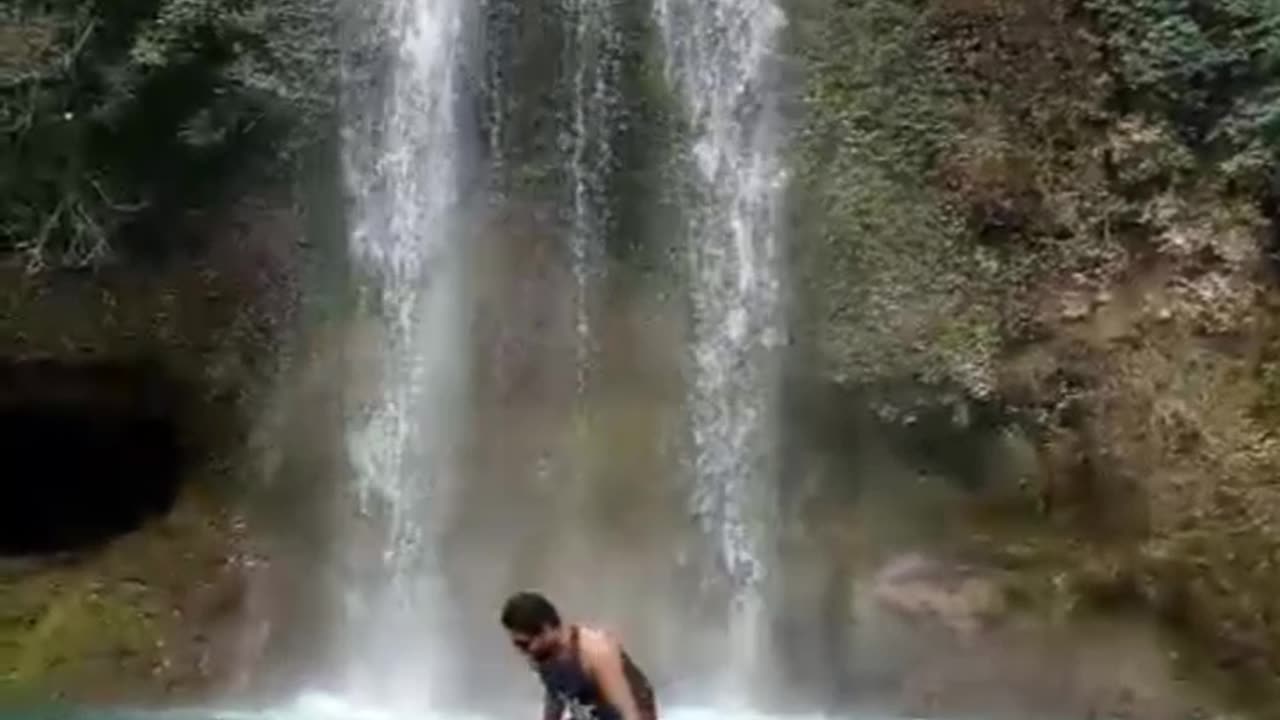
pixel 596 643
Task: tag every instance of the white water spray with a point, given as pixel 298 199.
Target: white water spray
pixel 326 707
pixel 718 55
pixel 592 51
pixel 404 166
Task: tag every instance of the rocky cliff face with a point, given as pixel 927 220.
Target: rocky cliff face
pixel 152 258
pixel 1067 210
pixel 151 414
pixel 1033 245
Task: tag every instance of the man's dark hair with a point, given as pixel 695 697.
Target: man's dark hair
pixel 529 613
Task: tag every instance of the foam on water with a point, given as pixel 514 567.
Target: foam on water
pixel 318 706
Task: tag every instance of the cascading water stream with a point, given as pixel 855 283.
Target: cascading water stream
pixel 591 51
pixel 404 168
pixel 718 54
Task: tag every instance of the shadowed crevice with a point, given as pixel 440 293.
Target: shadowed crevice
pixel 88 453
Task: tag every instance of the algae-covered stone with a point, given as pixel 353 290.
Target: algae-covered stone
pixel 126 623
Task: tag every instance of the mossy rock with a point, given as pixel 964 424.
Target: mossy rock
pixel 129 622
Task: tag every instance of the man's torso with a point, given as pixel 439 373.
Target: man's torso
pixel 575 693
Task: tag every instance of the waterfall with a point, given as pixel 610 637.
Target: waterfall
pixel 404 168
pixel 591 51
pixel 405 141
pixel 718 55
pixel 497 28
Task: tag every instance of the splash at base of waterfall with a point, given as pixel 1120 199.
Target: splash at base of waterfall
pixel 330 707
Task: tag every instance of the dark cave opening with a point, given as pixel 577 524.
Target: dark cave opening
pixel 87 453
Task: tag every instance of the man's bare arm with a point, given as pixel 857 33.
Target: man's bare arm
pixel 604 662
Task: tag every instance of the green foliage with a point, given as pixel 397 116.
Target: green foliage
pixel 119 117
pixel 889 269
pixel 955 157
pixel 1211 68
pixel 1071 199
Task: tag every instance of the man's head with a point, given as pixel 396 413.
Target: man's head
pixel 533 624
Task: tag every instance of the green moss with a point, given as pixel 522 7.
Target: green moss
pixel 127 623
pixel 62 629
pixel 647 139
pixel 893 273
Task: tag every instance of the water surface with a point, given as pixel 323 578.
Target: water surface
pixel 323 707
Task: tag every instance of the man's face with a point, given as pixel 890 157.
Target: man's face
pixel 539 647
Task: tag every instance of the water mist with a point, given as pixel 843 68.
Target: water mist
pixel 406 145
pixel 403 145
pixel 718 56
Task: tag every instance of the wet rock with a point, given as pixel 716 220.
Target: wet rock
pixel 926 590
pixel 1216 303
pixel 137 620
pixel 1075 306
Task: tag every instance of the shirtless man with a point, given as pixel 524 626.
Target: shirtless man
pixel 586 673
